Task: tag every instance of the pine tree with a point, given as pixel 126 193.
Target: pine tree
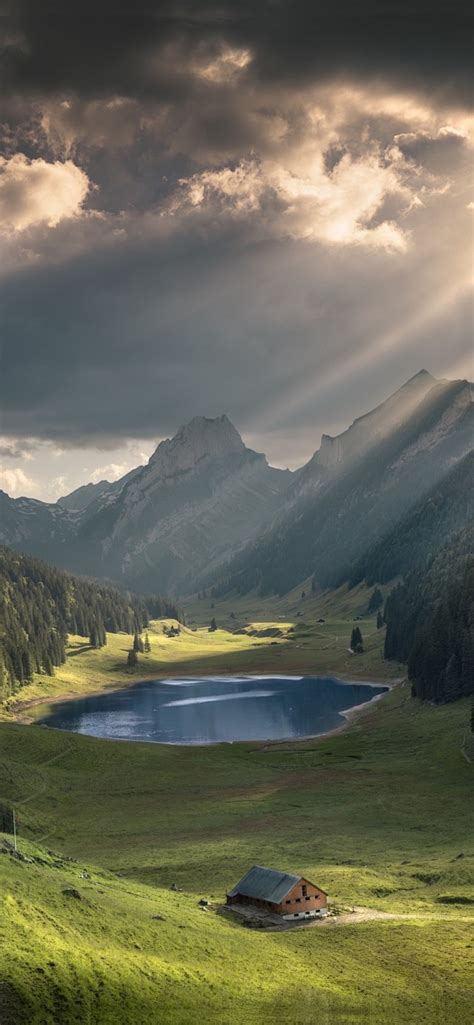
pixel 357 644
pixel 48 666
pixel 94 637
pixel 147 644
pixel 213 626
pixel 132 658
pixel 136 643
pixel 379 620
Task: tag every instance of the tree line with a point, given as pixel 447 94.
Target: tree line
pixel 430 623
pixel 40 605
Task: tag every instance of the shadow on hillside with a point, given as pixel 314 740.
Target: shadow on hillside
pixel 79 649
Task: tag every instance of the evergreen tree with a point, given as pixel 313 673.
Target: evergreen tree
pixel 380 620
pixel 136 643
pixel 213 626
pixel 132 658
pixel 356 641
pixel 147 645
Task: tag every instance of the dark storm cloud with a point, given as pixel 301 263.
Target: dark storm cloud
pixel 101 47
pixel 241 227
pixel 132 341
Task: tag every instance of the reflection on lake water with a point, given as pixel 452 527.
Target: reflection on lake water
pixel 208 710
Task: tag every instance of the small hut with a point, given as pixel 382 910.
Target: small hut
pixel 281 893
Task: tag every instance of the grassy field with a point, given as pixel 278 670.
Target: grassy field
pixel 379 816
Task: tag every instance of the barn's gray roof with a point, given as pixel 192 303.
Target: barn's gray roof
pixel 265 884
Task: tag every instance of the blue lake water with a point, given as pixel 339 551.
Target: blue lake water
pixel 210 710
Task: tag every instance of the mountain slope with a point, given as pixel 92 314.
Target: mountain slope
pixel 327 526
pixel 338 454
pixel 432 522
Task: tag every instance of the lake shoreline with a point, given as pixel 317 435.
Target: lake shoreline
pixel 16 709
pixel 349 715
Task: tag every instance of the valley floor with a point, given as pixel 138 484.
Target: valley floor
pixel 380 816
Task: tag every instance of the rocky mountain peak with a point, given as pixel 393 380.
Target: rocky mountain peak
pixel 202 436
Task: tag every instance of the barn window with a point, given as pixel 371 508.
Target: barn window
pixel 304 890
pixel 307 898
pixel 298 900
pixel 287 901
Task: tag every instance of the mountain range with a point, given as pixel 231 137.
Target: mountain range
pixel 207 510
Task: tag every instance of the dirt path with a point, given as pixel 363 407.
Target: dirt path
pixel 260 919
pixel 360 914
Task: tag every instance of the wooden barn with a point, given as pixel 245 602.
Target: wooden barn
pixel 279 892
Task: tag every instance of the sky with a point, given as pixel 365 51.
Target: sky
pixel 261 209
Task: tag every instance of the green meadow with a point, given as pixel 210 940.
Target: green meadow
pixel 380 816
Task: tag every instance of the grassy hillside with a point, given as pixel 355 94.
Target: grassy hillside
pixel 303 647
pixel 377 816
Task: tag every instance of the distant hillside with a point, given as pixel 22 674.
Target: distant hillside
pixel 430 623
pixel 40 605
pixel 416 539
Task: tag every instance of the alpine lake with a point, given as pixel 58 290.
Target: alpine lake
pixel 212 710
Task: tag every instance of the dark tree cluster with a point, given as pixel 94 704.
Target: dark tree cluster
pixel 41 605
pixel 357 643
pixel 430 624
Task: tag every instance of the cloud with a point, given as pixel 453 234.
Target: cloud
pixel 110 472
pixel 17 448
pixel 336 206
pixel 114 122
pixel 37 192
pixel 417 43
pixel 15 482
